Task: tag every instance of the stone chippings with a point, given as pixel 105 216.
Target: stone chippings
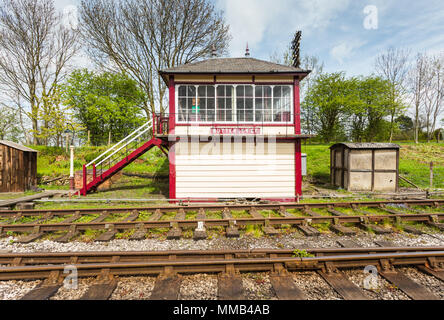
pixel 74 294
pixel 314 287
pixel 283 241
pixel 383 290
pixel 432 284
pixel 198 287
pixel 134 288
pixel 257 286
pixel 15 290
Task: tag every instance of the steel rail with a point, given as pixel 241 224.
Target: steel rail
pixel 220 207
pixel 240 222
pixel 96 257
pixel 211 265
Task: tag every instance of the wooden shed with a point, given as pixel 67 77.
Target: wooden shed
pixel 365 166
pixel 18 167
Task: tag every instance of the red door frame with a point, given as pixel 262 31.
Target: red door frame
pixel 171 131
pixel 297 128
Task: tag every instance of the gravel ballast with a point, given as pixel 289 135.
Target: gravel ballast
pixel 15 290
pixel 204 287
pixel 283 241
pixel 198 287
pixel 134 288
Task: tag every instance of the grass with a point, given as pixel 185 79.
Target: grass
pixel 54 162
pixel 414 163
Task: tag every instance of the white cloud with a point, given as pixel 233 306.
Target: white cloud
pixel 345 50
pixel 251 20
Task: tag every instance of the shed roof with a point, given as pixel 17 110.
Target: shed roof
pixel 233 66
pixel 17 146
pixel 367 145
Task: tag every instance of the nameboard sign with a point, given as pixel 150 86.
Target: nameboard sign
pixel 235 131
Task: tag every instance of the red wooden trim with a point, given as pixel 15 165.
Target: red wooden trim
pixel 94 171
pixel 297 107
pixel 298 167
pixel 206 124
pixel 172 98
pixel 244 138
pixel 216 200
pixel 289 83
pixel 172 171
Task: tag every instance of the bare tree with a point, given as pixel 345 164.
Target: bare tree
pixel 141 37
pixel 35 48
pixel 8 123
pixel 434 95
pixel 418 82
pixel 392 65
pixel 309 63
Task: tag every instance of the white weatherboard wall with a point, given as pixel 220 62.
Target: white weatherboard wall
pixel 235 170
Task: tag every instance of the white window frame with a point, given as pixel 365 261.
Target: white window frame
pixel 234 110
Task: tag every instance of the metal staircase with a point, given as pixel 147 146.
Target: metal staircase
pixel 119 156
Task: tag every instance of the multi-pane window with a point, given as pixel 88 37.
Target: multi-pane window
pixel 187 98
pixel 225 101
pixel 206 107
pixel 244 103
pixel 235 103
pixel 282 104
pixel 263 101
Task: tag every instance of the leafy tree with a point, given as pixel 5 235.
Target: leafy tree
pixel 405 123
pixel 55 119
pixel 328 99
pixel 104 103
pixel 371 104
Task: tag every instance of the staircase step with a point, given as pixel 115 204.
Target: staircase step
pixel 126 159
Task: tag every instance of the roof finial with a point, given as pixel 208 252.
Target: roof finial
pixel 247 51
pixel 213 51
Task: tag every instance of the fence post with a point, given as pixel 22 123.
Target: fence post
pixel 71 170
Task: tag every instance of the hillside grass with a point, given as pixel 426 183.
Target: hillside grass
pixel 414 165
pixel 54 161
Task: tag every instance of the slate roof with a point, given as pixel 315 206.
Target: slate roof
pixel 233 65
pixel 368 145
pixel 16 146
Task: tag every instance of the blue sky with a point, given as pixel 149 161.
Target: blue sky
pixel 333 30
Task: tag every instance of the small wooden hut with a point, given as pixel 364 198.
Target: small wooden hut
pixel 18 167
pixel 365 166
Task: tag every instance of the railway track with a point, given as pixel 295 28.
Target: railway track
pixel 169 266
pixel 199 218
